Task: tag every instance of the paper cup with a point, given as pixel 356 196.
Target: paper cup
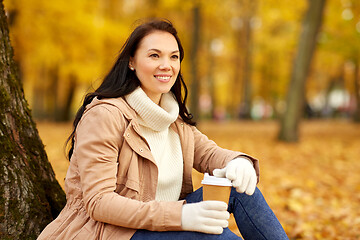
pixel 217 189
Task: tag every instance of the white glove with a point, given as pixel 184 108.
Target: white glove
pixel 242 174
pixel 207 217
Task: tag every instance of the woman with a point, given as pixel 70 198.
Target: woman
pixel 132 152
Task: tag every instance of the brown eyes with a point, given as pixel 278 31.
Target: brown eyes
pixel 155 55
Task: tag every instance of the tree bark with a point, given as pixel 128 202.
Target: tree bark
pixel 30 196
pixel 296 94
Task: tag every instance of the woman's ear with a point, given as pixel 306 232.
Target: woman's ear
pixel 131 65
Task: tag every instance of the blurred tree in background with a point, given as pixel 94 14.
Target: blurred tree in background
pixel 339 52
pixel 296 95
pixel 238 53
pixel 194 59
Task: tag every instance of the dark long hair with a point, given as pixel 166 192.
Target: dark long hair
pixel 121 81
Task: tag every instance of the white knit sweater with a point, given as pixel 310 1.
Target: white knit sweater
pixel 165 146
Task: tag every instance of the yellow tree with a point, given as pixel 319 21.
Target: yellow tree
pixel 47 37
pixel 339 50
pixel 274 44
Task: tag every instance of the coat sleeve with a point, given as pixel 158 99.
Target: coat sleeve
pixel 97 144
pixel 208 156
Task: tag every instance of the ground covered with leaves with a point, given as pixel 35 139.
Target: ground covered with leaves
pixel 313 186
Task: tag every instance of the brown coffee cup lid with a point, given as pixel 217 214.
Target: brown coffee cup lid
pixel 212 180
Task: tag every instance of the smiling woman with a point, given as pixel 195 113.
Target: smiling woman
pixel 156 64
pixel 132 152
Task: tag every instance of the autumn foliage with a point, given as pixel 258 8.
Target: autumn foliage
pixel 245 50
pixel 312 186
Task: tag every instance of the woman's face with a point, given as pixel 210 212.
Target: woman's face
pixel 156 63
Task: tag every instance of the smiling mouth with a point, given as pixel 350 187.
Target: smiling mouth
pixel 162 78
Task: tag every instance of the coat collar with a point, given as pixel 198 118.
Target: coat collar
pixel 120 103
pixel 128 112
pixel 138 143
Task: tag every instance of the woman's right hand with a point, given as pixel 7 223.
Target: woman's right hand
pixel 207 217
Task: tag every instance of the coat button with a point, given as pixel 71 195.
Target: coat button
pixel 141 150
pixel 128 135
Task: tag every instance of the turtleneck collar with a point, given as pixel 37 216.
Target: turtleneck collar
pixel 157 117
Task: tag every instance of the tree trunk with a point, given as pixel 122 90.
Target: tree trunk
pixel 66 110
pixel 296 93
pixel 53 104
pixel 242 86
pixel 236 95
pixel 357 90
pixel 38 102
pixel 39 96
pixel 30 196
pixel 246 102
pixel 326 111
pixel 194 87
pixel 212 90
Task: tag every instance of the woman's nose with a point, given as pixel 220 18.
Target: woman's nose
pixel 165 65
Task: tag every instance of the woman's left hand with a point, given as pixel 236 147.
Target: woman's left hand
pixel 242 174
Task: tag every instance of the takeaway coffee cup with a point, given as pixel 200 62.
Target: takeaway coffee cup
pixel 216 188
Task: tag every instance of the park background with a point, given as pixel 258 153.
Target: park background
pixel 239 59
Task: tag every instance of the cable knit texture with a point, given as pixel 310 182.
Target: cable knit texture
pixel 165 146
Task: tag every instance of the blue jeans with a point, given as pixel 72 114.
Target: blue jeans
pixel 252 214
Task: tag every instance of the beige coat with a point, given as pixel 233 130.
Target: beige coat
pixel 111 181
